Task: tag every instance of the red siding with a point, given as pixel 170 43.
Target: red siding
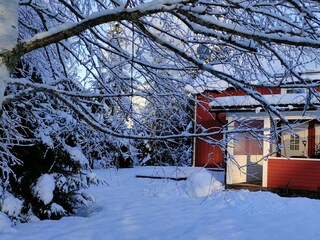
pixel 299 174
pixel 206 154
pixel 265 91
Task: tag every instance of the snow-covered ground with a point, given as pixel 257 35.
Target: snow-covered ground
pixel 140 208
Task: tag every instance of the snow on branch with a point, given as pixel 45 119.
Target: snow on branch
pixel 70 29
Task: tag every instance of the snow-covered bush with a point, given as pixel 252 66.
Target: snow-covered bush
pixel 169 116
pixel 202 184
pixel 11 206
pixel 105 150
pixel 48 177
pixel 47 153
pixel 46 168
pixel 111 152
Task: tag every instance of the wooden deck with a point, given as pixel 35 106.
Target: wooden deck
pixel 285 192
pixel 252 186
pixel 216 169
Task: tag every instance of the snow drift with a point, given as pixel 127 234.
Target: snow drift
pixel 202 184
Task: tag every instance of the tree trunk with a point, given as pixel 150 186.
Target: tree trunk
pixel 8 37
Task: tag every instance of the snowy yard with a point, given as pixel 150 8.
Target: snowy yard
pixel 140 208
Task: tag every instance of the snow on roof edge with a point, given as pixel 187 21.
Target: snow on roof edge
pixel 272 99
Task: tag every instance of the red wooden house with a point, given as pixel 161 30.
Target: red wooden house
pixel 254 147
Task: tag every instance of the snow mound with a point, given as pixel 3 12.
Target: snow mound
pixel 202 184
pixel 5 223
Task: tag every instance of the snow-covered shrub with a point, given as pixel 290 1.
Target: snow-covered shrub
pixel 50 168
pixel 11 206
pixel 202 184
pixel 47 151
pixel 105 150
pixel 167 117
pixel 40 180
pixel 113 152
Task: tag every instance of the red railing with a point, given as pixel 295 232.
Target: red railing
pixel 294 173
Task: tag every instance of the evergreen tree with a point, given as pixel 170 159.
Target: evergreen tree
pixel 50 170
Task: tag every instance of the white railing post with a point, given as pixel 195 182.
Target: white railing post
pixel 266 151
pixel 229 163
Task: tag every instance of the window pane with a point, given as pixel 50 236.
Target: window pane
pixel 294 142
pixel 296 90
pixel 247 143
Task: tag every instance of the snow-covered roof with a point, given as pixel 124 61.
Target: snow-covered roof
pixel 206 82
pixel 289 101
pixel 199 88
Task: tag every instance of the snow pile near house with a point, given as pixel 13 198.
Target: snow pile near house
pixel 202 184
pixel 44 188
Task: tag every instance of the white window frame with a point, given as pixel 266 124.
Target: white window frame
pixel 294 143
pixel 293 90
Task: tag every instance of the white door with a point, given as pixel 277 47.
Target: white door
pixel 247 151
pixel 295 141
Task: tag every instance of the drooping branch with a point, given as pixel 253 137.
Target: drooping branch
pixel 214 26
pixel 68 30
pixel 237 30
